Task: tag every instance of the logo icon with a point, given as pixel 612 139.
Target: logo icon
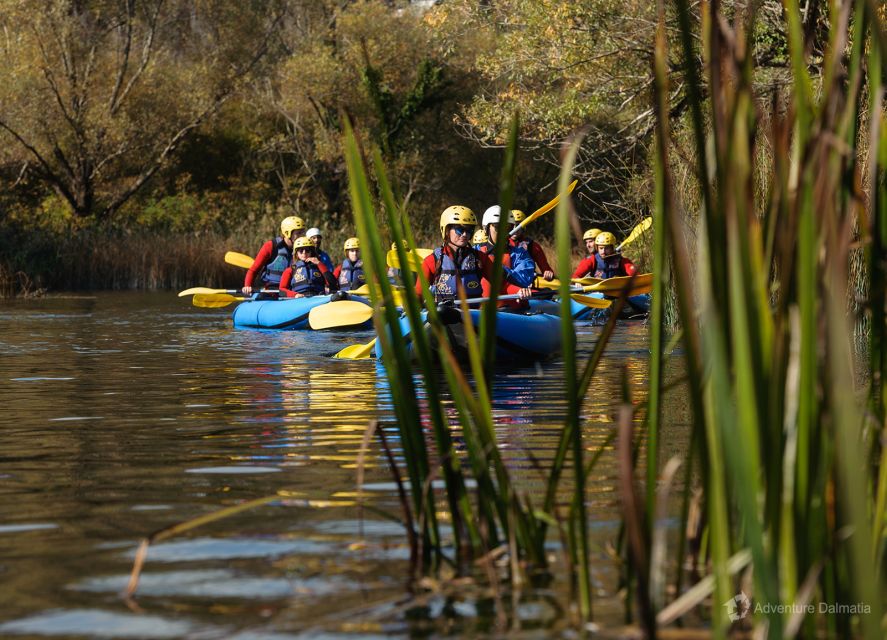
pixel 738 606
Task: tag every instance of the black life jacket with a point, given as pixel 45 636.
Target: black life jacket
pixel 351 275
pixel 283 257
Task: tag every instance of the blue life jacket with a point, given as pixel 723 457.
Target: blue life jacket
pixel 609 267
pixel 447 274
pixel 522 271
pixel 274 269
pixel 307 279
pixel 351 275
pixel 324 257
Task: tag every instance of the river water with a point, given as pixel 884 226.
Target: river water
pixel 125 413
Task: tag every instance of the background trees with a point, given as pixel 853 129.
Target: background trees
pixel 218 115
pixel 95 96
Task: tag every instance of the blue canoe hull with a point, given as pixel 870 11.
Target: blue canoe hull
pixel 282 315
pixel 527 337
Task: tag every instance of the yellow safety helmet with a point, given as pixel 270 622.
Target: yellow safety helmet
pixel 352 243
pixel 516 216
pixel 290 224
pixel 591 234
pixel 456 215
pixel 606 238
pixel 304 243
pixel 480 237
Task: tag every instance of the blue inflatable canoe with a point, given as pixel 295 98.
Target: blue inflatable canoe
pixel 286 314
pixel 526 337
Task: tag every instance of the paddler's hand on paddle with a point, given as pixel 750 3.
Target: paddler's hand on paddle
pixel 524 293
pixel 548 275
pixel 247 291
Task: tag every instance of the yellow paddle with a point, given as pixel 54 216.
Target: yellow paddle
pixel 357 351
pixel 645 224
pixel 541 211
pixel 215 300
pixel 238 259
pixel 193 290
pixel 415 258
pixel 341 313
pixel 642 283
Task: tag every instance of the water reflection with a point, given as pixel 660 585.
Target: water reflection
pixel 126 413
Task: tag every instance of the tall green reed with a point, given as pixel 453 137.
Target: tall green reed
pixel 496 515
pixel 787 453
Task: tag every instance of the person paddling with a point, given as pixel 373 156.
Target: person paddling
pixel 350 274
pixel 479 239
pixel 605 262
pixel 315 236
pixel 587 263
pixel 307 276
pixel 533 248
pixel 519 267
pixel 274 257
pixel 456 265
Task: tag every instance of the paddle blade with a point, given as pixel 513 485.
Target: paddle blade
pixel 594 303
pixel 339 314
pixel 357 351
pixel 193 290
pixel 214 300
pixel 415 258
pixel 645 224
pixel 238 259
pixel 642 283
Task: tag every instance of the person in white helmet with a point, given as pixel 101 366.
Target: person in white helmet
pixel 519 267
pixel 316 237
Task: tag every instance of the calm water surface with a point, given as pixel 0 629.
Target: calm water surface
pixel 124 413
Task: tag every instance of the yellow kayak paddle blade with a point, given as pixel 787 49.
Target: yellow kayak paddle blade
pixel 592 302
pixel 193 290
pixel 545 208
pixel 415 258
pixel 339 314
pixel 645 224
pixel 357 351
pixel 641 283
pixel 214 300
pixel 238 259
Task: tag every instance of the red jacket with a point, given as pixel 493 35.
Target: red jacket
pixel 587 267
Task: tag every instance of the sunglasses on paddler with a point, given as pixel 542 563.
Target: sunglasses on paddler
pixel 461 231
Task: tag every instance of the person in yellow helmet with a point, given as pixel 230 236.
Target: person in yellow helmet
pixel 588 238
pixel 350 274
pixel 479 239
pixel 532 247
pixel 605 262
pixel 274 257
pixel 456 265
pixel 307 276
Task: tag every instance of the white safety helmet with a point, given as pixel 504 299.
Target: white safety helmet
pixel 313 231
pixel 491 216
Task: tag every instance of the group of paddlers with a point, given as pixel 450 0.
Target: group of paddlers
pixel 296 264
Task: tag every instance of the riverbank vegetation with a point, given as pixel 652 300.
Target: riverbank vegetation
pixel 785 475
pixel 188 126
